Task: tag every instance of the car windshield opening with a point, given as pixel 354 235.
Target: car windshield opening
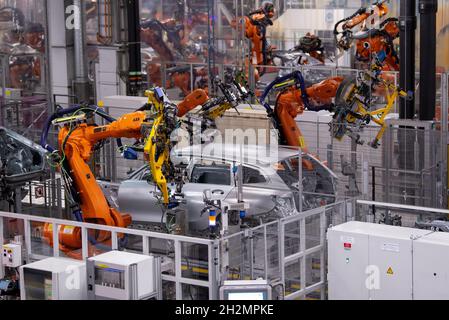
pixel 212 174
pixel 287 169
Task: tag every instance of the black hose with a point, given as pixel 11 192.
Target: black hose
pixel 71 110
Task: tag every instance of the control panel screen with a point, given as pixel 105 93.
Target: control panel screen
pixel 110 277
pixel 247 296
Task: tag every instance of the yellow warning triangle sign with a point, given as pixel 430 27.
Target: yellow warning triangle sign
pixel 390 271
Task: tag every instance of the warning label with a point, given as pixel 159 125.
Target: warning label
pixel 390 271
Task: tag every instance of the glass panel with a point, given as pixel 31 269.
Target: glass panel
pixel 13 228
pixel 293 277
pixel 166 249
pixel 259 254
pixel 41 239
pixel 313 231
pixel 236 249
pixel 313 269
pixel 335 215
pixel 168 290
pixel 314 295
pixel 194 260
pixel 101 242
pixel 190 292
pixel 132 243
pixel 292 239
pixel 273 251
pixel 23 57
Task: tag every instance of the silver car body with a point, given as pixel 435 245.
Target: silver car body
pixel 263 188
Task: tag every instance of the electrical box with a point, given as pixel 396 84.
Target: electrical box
pixel 371 261
pixel 246 290
pixel 431 267
pixel 119 275
pixel 53 279
pixel 12 255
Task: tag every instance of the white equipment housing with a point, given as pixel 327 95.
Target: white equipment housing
pixel 119 275
pixel 379 262
pixel 53 279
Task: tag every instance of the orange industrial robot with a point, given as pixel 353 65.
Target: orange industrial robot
pixel 77 140
pixel 373 34
pixel 293 99
pixel 255 26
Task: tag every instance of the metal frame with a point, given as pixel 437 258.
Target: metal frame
pixel 178 279
pixel 216 260
pixel 343 209
pixel 402 207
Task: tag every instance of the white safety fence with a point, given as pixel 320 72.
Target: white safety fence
pixel 290 252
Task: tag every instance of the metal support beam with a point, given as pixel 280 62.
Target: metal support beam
pixel 427 81
pixel 81 82
pixel 407 56
pixel 406 137
pixel 211 44
pixel 57 50
pixel 135 63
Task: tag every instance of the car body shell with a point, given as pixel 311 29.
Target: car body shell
pixel 263 189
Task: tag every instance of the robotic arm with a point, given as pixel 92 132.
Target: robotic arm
pixel 158 143
pixel 78 139
pixel 256 24
pixel 153 34
pixel 354 104
pixel 360 18
pixel 293 99
pixel 372 33
pixel 212 109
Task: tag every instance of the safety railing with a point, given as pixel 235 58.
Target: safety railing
pixel 176 270
pixel 290 252
pixel 303 252
pixel 405 215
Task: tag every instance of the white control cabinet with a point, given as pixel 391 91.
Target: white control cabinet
pixel 119 275
pixel 53 279
pixel 431 267
pixel 371 261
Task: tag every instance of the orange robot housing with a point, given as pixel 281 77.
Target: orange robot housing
pixel 290 104
pixel 370 40
pixel 378 41
pixel 76 144
pixel 255 26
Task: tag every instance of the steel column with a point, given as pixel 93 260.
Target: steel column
pixel 428 44
pixel 407 56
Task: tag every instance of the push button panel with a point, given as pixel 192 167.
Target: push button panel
pixel 12 255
